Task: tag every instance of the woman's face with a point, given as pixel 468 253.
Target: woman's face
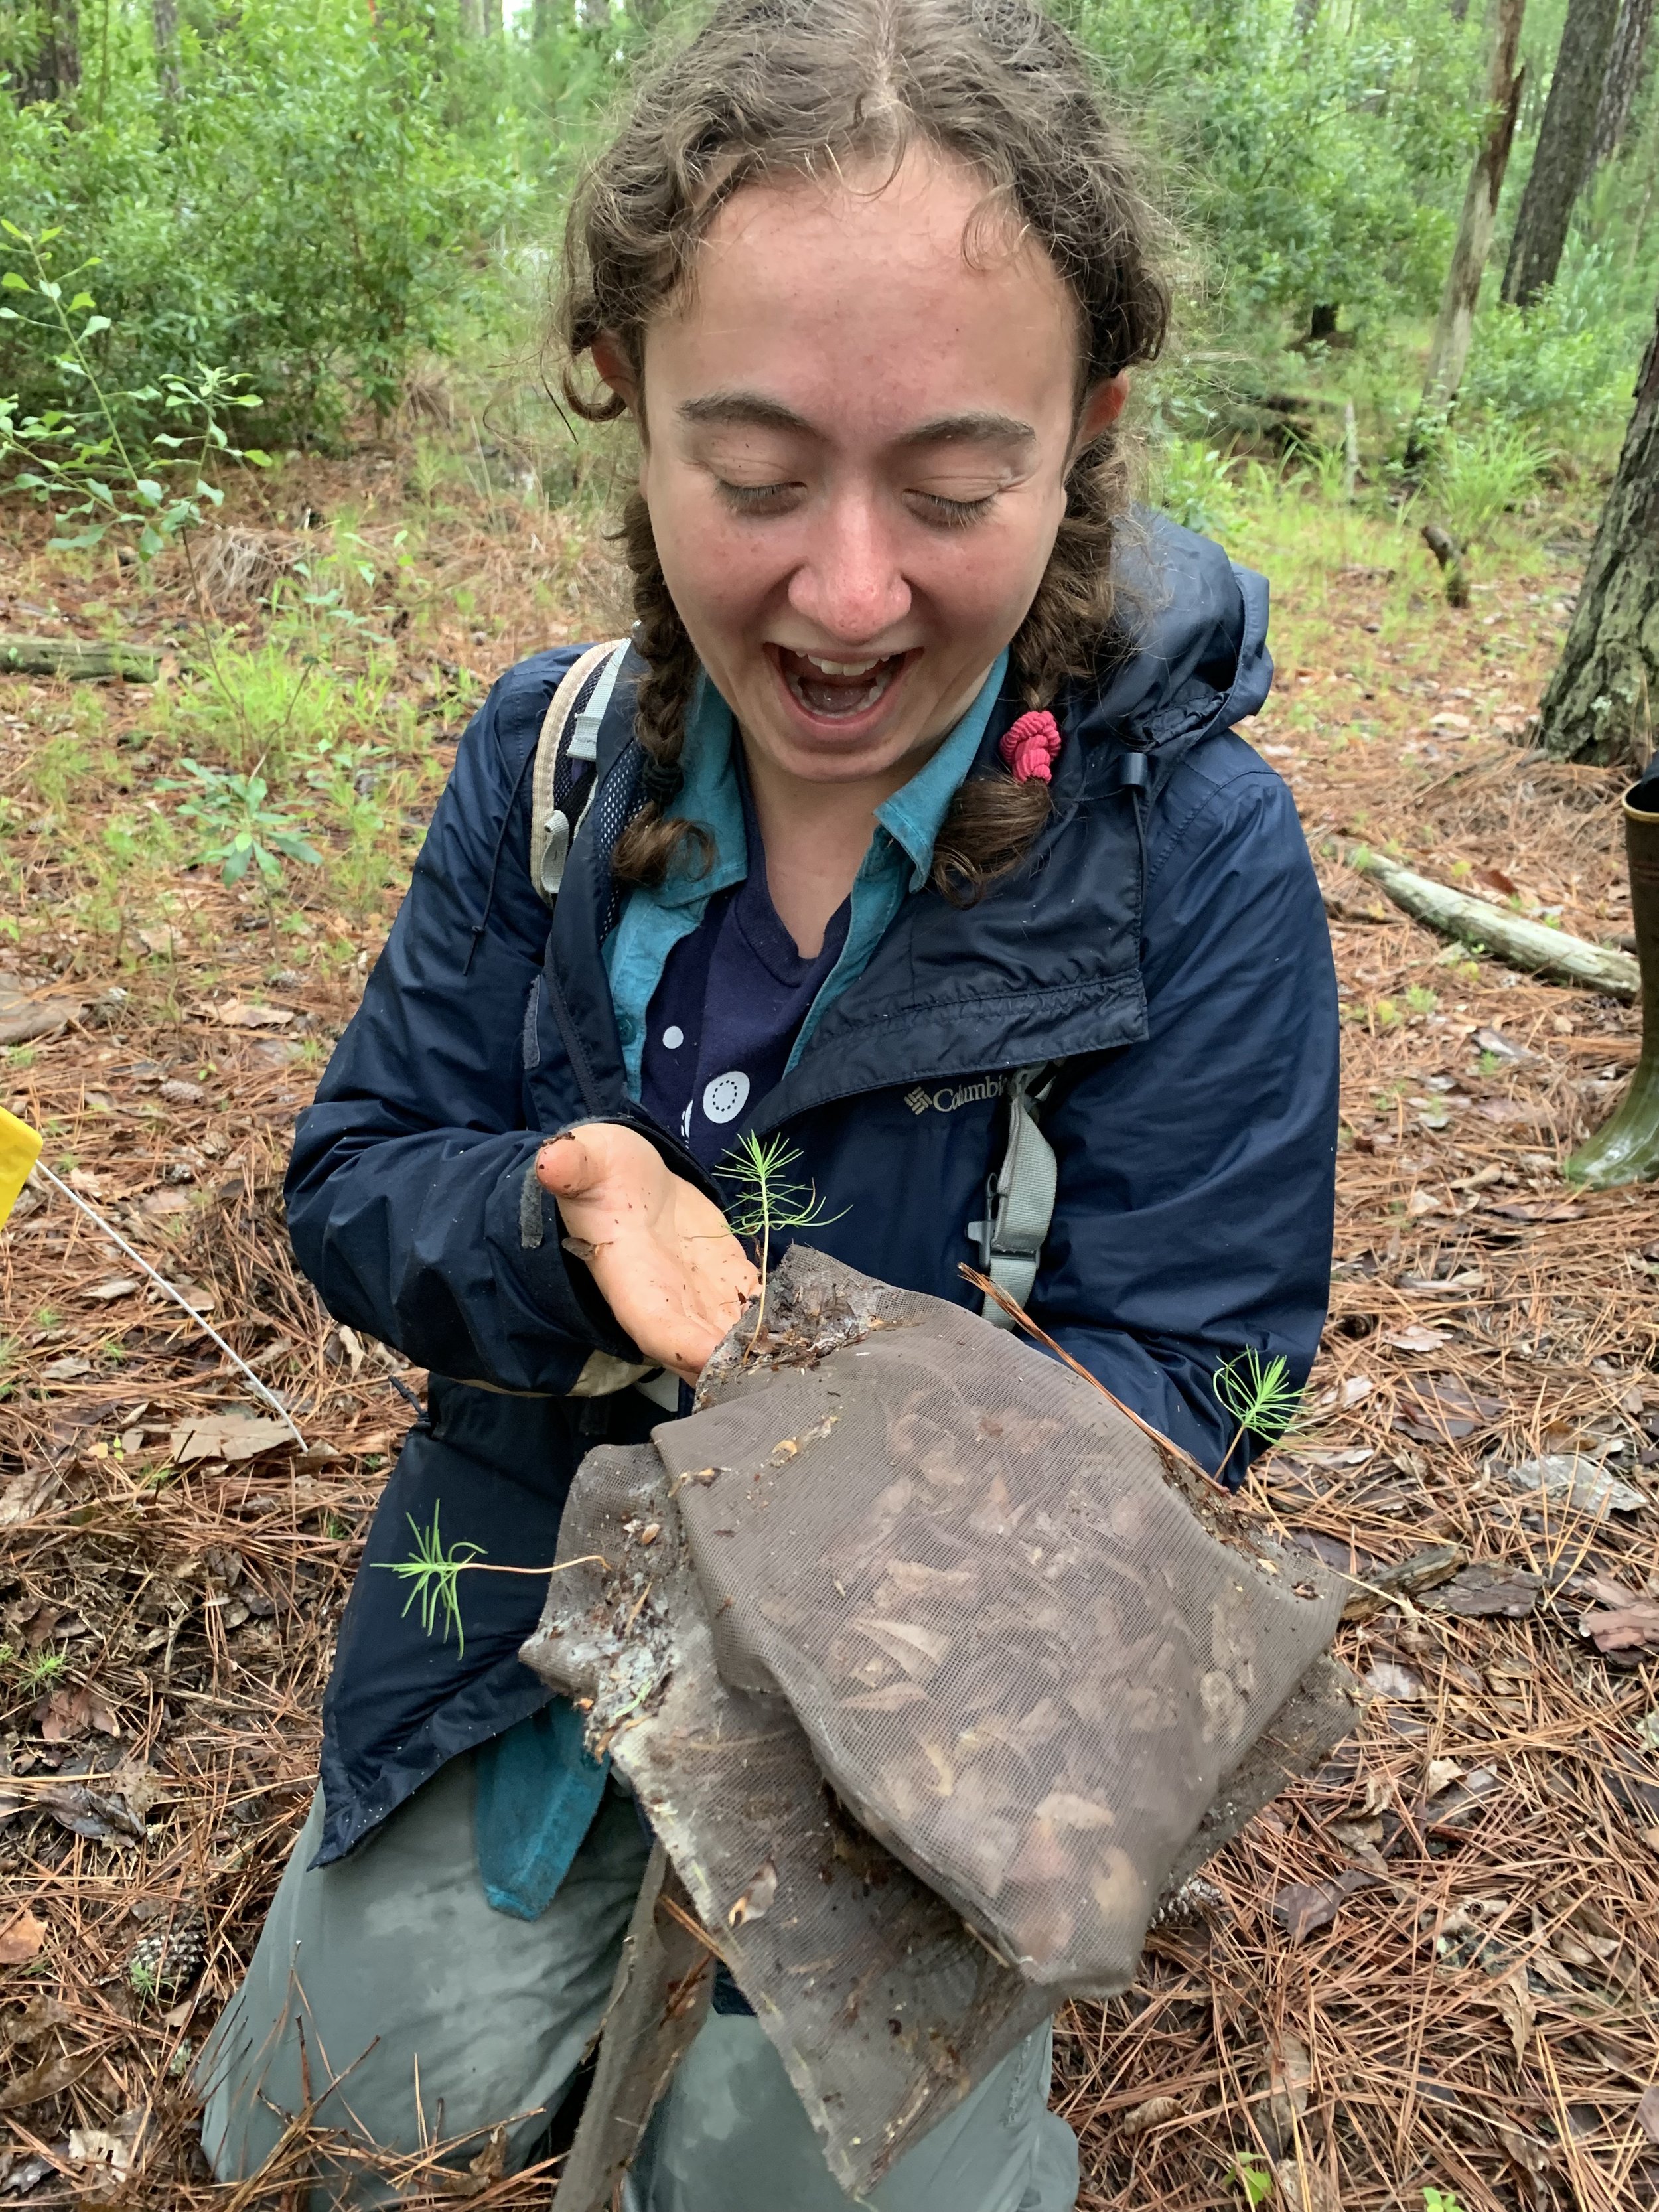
pixel 856 444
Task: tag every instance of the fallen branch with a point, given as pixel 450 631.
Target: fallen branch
pixel 1506 936
pixel 1449 554
pixel 76 657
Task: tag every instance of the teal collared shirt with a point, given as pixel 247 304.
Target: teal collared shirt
pixel 900 855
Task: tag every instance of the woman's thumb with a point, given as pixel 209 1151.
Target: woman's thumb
pixel 565 1166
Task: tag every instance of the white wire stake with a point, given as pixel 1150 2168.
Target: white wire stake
pixel 179 1299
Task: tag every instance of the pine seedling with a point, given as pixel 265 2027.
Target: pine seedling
pixel 432 1575
pixel 766 1199
pixel 1258 1394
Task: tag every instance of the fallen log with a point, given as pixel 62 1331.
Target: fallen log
pixel 1505 935
pixel 77 657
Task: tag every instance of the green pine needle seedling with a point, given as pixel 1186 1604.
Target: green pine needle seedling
pixel 1258 1394
pixel 766 1200
pixel 432 1575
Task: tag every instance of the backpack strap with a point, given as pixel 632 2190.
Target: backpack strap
pixel 561 782
pixel 1019 1197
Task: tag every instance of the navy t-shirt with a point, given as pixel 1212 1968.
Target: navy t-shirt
pixel 732 995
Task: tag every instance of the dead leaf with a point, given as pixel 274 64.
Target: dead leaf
pixel 238 1014
pixel 23 1497
pixel 64 1715
pixel 102 1803
pixel 20 1939
pixel 1153 2114
pixel 156 1204
pixel 1303 2188
pixel 112 1287
pixel 756 1901
pixel 1442 1406
pixel 25 1014
pixel 1440 1775
pixel 69 1369
pixel 1417 1338
pixel 49 2079
pixel 1622 1621
pixel 1647 2113
pixel 1288 2082
pixel 226 1435
pixel 1389 1680
pixel 165 943
pixel 1301 1908
pixel 1495 879
pixel 1513 1999
pixel 1494 1041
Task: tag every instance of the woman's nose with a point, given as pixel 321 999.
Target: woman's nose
pixel 849 585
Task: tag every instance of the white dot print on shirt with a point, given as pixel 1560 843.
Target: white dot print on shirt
pixel 723 1099
pixel 672 1038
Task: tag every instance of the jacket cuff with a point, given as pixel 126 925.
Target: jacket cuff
pixel 558 1284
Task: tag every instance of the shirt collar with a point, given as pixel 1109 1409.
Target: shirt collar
pixel 911 817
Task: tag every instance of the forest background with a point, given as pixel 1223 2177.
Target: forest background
pixel 278 465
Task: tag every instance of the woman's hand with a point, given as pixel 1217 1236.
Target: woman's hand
pixel 667 1265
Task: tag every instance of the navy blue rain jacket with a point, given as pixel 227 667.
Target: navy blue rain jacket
pixel 1164 944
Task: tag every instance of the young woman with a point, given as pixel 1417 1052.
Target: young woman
pixel 919 774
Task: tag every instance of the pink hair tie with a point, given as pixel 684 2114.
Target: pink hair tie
pixel 1030 747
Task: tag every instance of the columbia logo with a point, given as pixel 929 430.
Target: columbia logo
pixel 947 1100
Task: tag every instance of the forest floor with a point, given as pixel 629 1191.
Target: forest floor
pixel 1431 1968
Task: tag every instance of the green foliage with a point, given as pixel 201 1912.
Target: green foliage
pixel 1481 473
pixel 1259 1396
pixel 1441 2200
pixel 765 1198
pixel 75 458
pixel 1321 162
pixel 1566 363
pixel 1255 2179
pixel 238 827
pixel 324 205
pixel 432 1575
pixel 1190 482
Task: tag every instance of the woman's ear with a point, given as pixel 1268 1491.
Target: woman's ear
pixel 612 365
pixel 1103 403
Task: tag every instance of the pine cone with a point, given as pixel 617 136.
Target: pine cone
pixel 167 1959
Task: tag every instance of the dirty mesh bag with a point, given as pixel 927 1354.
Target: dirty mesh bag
pixel 1025 1644
pixel 903 1585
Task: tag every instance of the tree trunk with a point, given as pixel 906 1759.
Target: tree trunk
pixel 1603 702
pixel 472 15
pixel 164 30
pixel 492 19
pixel 1624 78
pixel 1455 326
pixel 1561 163
pixel 53 71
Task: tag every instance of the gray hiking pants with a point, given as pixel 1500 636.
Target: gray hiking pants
pixel 414 2013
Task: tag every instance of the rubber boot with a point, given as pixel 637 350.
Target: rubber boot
pixel 1627 1148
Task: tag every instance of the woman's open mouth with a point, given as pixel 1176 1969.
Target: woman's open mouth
pixel 838 690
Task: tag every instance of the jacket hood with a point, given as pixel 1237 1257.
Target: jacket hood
pixel 1198 662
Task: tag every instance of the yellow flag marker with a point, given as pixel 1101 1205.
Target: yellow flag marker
pixel 20 1148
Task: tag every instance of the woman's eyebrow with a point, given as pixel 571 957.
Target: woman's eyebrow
pixel 742 409
pixel 971 429
pixel 755 411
